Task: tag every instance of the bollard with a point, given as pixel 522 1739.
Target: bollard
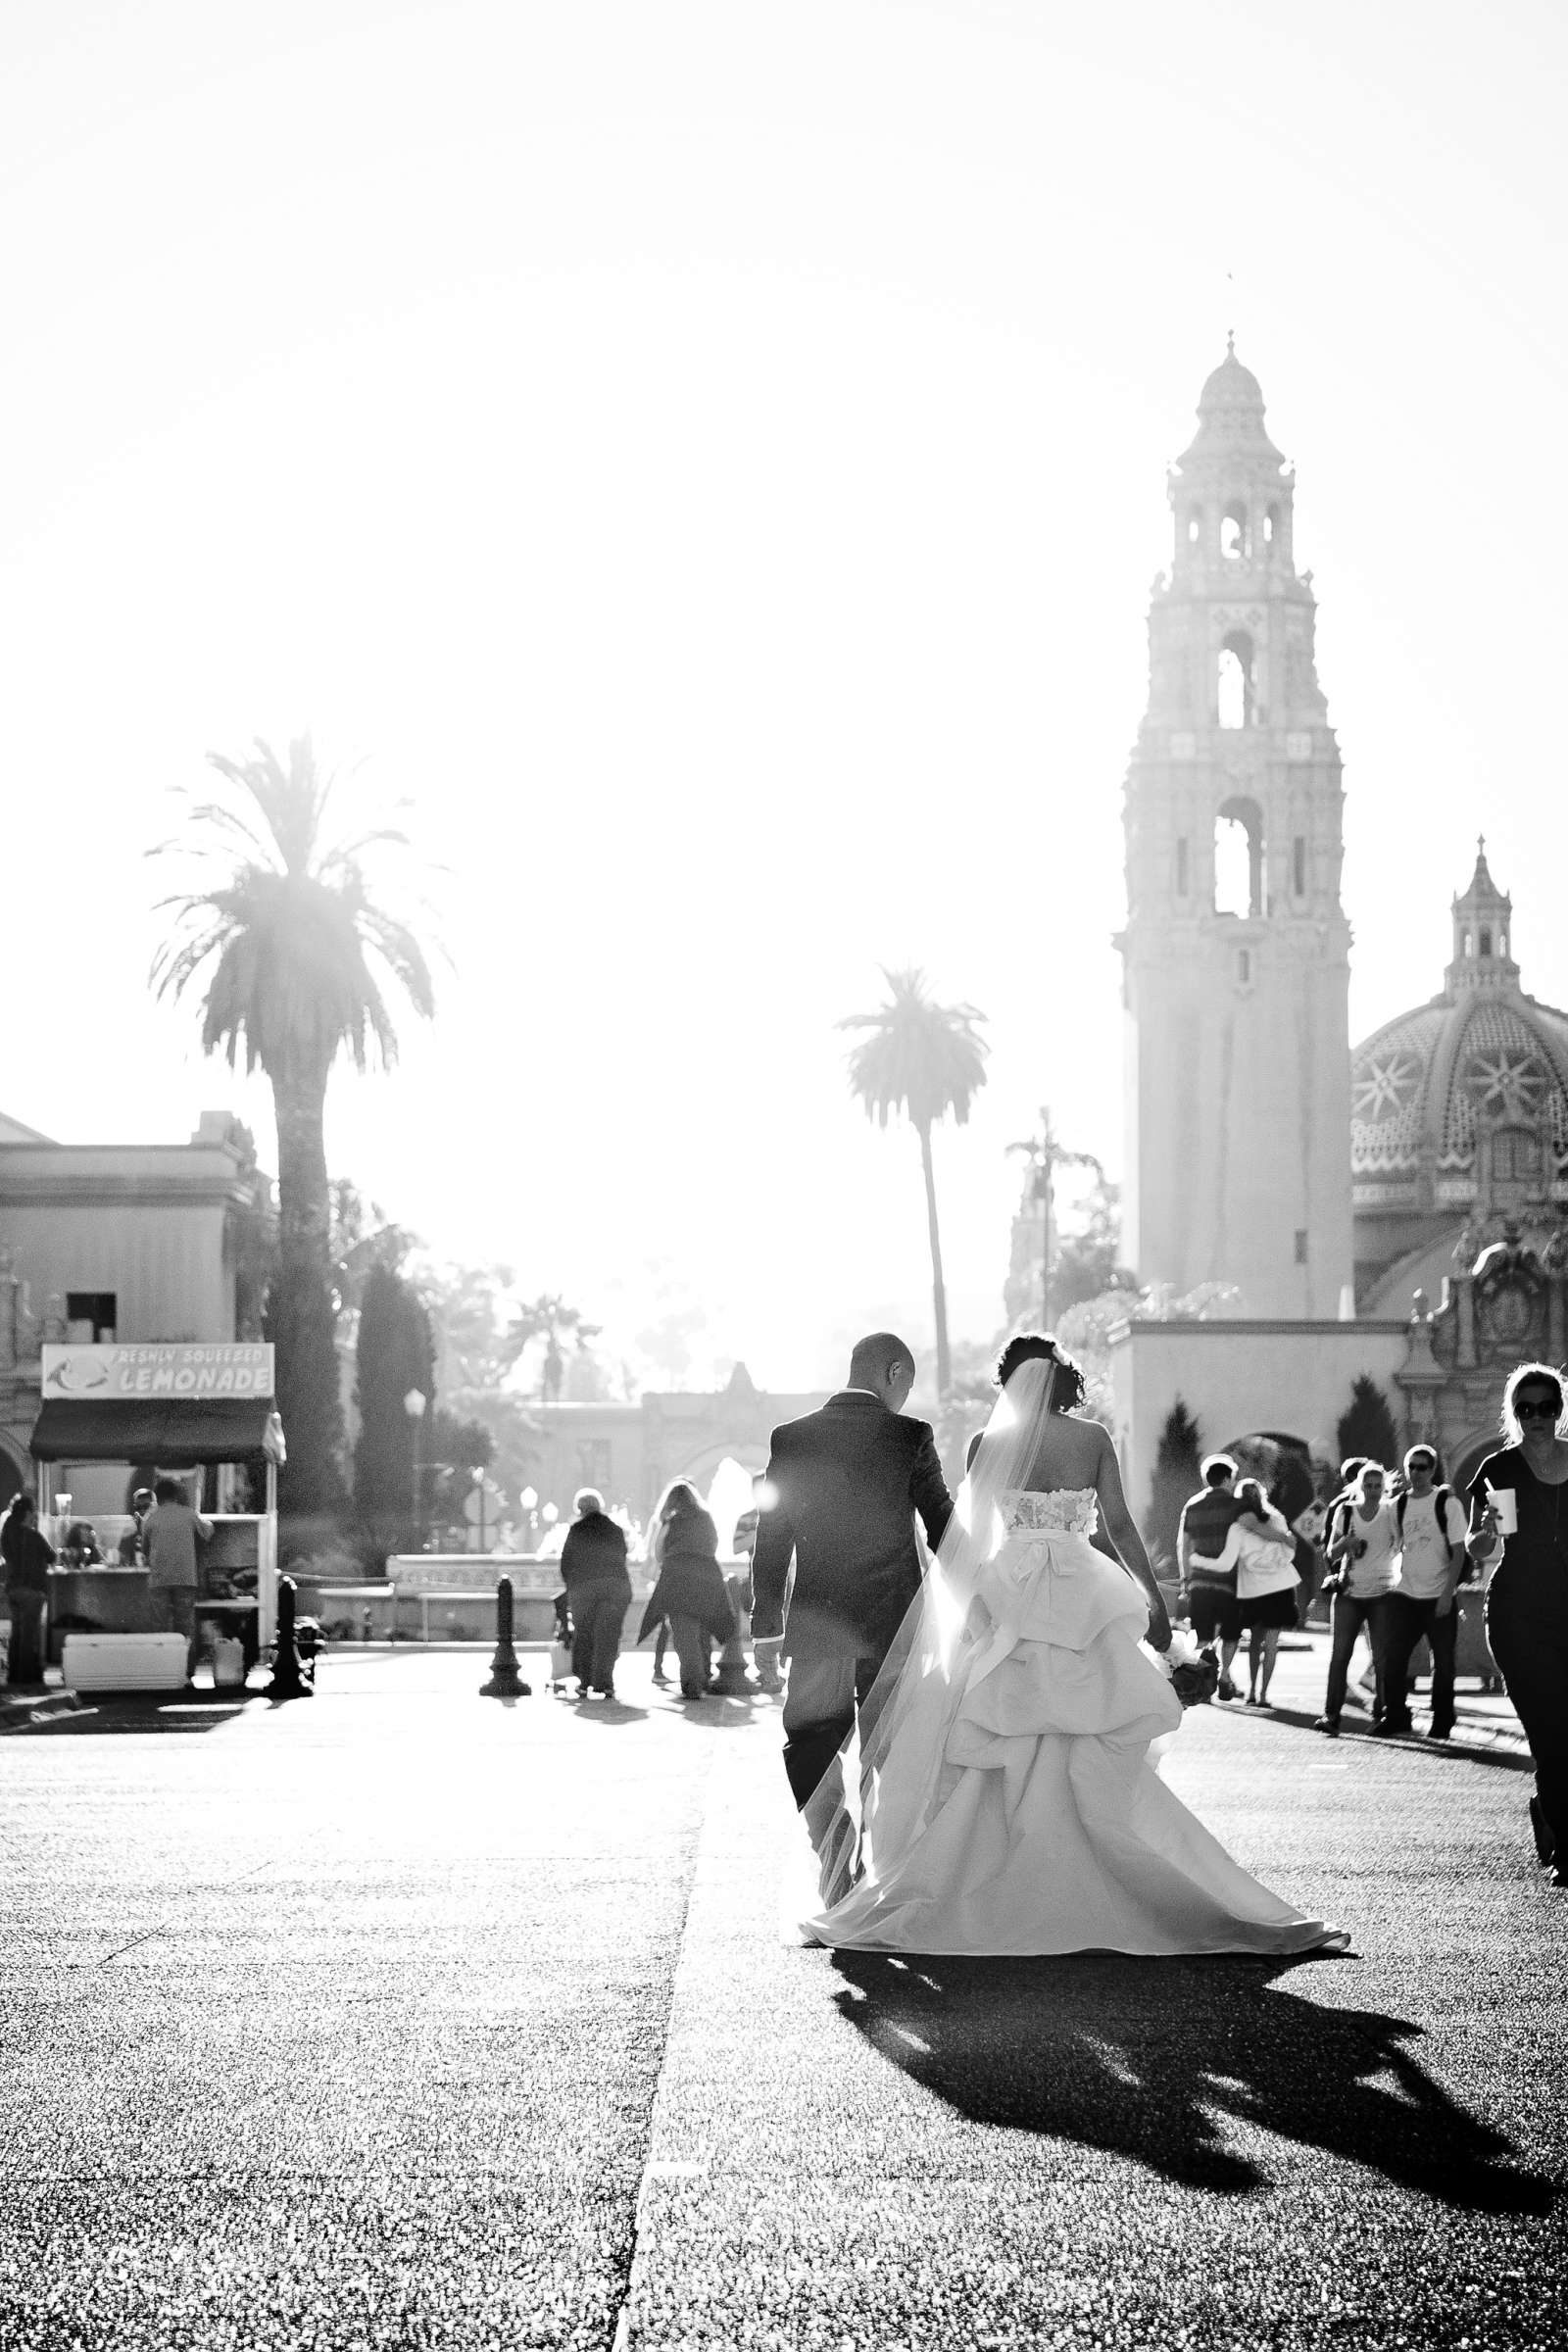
pixel 505 1681
pixel 288 1676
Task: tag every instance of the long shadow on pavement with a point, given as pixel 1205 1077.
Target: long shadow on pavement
pixel 1147 2058
pixel 1357 1732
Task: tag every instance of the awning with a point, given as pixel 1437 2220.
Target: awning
pixel 172 1430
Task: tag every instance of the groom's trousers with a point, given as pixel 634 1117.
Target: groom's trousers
pixel 825 1688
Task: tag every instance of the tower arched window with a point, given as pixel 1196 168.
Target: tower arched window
pixel 1239 859
pixel 1234 542
pixel 1486 943
pixel 1272 527
pixel 1194 526
pixel 1236 700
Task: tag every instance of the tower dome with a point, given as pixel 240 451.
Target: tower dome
pixel 1459 1108
pixel 1229 414
pixel 1231 386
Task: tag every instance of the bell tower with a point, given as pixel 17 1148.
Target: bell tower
pixel 1236 949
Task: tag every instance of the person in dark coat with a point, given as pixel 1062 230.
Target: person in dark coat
pixel 594 1571
pixel 843 1487
pixel 26 1559
pixel 690 1592
pixel 1526 1592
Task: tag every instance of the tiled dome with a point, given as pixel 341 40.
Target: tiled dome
pixel 1482 1050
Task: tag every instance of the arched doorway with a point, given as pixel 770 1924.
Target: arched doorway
pixel 722 1475
pixel 1282 1463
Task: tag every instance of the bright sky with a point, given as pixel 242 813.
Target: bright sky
pixel 712 458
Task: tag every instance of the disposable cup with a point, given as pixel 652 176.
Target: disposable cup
pixel 1505 1503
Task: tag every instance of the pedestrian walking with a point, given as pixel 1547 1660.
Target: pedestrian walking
pixel 1362 1572
pixel 843 1487
pixel 764 1657
pixel 690 1594
pixel 1431 1527
pixel 1209 1571
pixel 1263 1548
pixel 598 1582
pixel 26 1559
pixel 1517 1507
pixel 171 1534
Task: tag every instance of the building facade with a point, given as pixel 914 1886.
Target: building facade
pixel 1459 1120
pixel 1236 949
pixel 631 1452
pixel 129 1242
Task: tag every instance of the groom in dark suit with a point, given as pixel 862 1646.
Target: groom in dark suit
pixel 843 1488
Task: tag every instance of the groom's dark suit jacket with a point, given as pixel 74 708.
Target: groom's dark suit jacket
pixel 845 1485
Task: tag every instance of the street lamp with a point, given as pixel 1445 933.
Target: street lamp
pixel 414 1404
pixel 476 1473
pixel 529 1501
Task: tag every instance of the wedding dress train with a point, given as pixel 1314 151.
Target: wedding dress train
pixel 1016 1810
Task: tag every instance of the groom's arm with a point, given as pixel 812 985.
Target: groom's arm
pixel 928 1489
pixel 771 1561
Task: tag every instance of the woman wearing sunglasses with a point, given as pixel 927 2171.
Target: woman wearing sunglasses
pixel 1519 1500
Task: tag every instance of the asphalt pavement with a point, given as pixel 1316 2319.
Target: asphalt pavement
pixel 399 2017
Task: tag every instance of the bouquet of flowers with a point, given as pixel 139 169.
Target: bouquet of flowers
pixel 1194 1673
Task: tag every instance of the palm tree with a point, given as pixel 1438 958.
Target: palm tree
pixel 926 1060
pixel 546 1317
pixel 285 940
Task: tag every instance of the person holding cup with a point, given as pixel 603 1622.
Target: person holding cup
pixel 1519 1510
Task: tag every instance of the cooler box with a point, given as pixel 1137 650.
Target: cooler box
pixel 124 1661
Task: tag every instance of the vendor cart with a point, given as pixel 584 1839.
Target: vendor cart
pixel 181 1411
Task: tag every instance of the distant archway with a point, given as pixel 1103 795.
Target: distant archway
pixel 1282 1462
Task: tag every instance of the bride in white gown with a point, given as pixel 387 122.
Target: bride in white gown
pixel 1009 1801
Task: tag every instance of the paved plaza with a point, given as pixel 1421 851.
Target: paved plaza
pixel 400 2017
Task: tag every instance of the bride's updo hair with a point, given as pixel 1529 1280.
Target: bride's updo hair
pixel 1039 1346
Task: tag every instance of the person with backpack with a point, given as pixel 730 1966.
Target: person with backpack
pixel 1362 1577
pixel 1431 1523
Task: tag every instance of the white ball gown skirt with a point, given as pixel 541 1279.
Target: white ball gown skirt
pixel 1018 1812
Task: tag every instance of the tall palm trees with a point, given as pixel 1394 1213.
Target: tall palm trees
pixel 286 938
pixel 926 1060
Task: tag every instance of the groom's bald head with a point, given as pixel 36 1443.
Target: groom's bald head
pixel 884 1363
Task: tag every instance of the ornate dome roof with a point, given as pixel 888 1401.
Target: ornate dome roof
pixel 1482 1053
pixel 1229 415
pixel 1231 386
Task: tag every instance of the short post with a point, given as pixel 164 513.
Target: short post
pixel 505 1681
pixel 288 1676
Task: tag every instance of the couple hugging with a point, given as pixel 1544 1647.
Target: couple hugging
pixel 1007 1693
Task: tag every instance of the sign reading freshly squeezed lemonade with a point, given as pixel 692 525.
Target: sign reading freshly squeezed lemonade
pixel 137 1375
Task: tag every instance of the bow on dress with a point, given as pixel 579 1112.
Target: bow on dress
pixel 1007 1578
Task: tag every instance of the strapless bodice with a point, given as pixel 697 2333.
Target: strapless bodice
pixel 1066 1511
